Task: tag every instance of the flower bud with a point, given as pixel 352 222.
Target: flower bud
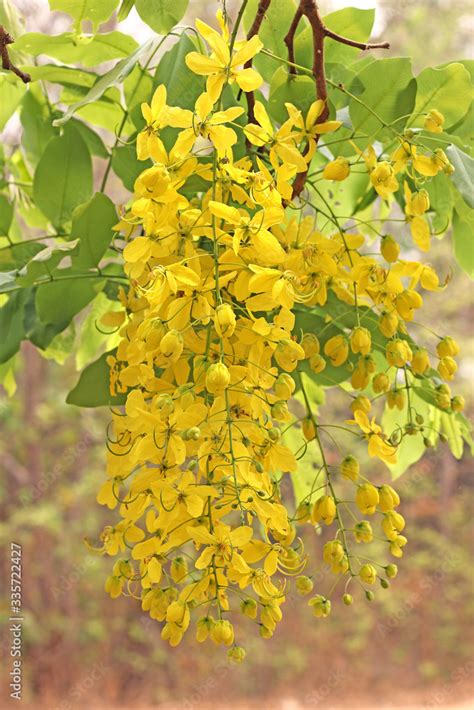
pixel 389 498
pixel 447 367
pixel 361 404
pixel 303 512
pixel 217 377
pixel 363 531
pixel 222 632
pixel 324 510
pixel 348 599
pixel 178 569
pixel 368 574
pixel 224 320
pixel 391 571
pixel 172 344
pixel 309 430
pixel 367 498
pixel 389 249
pixel 388 324
pixel 447 347
pixel 457 403
pixel 304 585
pixel 337 350
pixel 320 605
pixel 420 361
pixel 398 352
pixel 420 202
pixel 369 595
pixel 248 607
pixel 434 121
pixel 361 341
pixel 338 169
pixel 317 363
pixel 396 398
pixel 236 654
pixel 349 467
pixel 284 386
pixel 333 552
pixel 380 383
pixel 310 344
pixel 203 628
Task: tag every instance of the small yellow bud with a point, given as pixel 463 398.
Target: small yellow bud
pixel 447 347
pixel 388 324
pixel 333 552
pixel 236 654
pixel 389 249
pixel 304 585
pixel 420 202
pixel 368 574
pixel 380 383
pixel 178 569
pixel 447 367
pixel 361 341
pixel 361 404
pixel 310 344
pixel 224 320
pixel 363 531
pixel 398 352
pixel 320 605
pixel 324 510
pixel 338 169
pixel 389 498
pixel 309 430
pixel 303 512
pixel 284 386
pixel 396 398
pixel 434 121
pixel 420 361
pixel 349 467
pixel 391 571
pixel 348 599
pixel 367 498
pixel 172 344
pixel 248 607
pixel 217 377
pixel 203 628
pixel 458 403
pixel 317 363
pixel 222 632
pixel 337 350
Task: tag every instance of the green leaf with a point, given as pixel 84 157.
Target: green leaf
pixel 16 256
pixel 450 427
pixel 12 92
pixel 463 240
pixel 93 141
pixel 11 324
pixel 92 223
pixel 182 86
pixel 441 201
pixel 274 27
pixel 411 448
pixel 111 78
pixel 6 216
pixel 38 333
pixel 69 48
pixel 36 122
pixel 124 9
pixel 390 91
pixel 285 87
pixel 137 88
pixel 58 302
pixel 92 389
pixel 63 178
pixel 61 75
pixel 349 22
pixel 126 165
pixel 43 263
pixel 448 90
pixel 306 479
pixel 94 10
pixel 161 15
pixel 463 176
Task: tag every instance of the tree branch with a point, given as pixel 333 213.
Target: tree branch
pixel 289 40
pixel 5 40
pixel 353 43
pixel 263 6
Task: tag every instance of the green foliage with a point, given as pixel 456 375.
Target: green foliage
pixel 92 389
pixel 161 15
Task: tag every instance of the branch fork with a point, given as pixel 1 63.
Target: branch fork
pixel 5 40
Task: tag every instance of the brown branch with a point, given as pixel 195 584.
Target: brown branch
pixel 289 40
pixel 309 8
pixel 5 40
pixel 263 6
pixel 353 43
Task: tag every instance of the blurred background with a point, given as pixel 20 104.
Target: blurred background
pixel 412 647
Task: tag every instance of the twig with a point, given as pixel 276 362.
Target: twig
pixel 352 43
pixel 263 6
pixel 5 40
pixel 289 40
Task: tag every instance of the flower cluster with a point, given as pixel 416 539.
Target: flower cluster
pixel 211 354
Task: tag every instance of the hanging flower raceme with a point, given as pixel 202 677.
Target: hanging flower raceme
pixel 213 349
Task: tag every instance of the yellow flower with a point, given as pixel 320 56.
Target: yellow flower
pixel 447 347
pixel 368 574
pixel 203 122
pixel 149 144
pixel 376 446
pixel 434 121
pixel 447 367
pixel 309 127
pixel 361 341
pixel 222 67
pixel 337 350
pixel 367 498
pixel 320 605
pixel 281 141
pixel 338 169
pixel 350 468
pixel 383 179
pixel 390 249
pixel 324 509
